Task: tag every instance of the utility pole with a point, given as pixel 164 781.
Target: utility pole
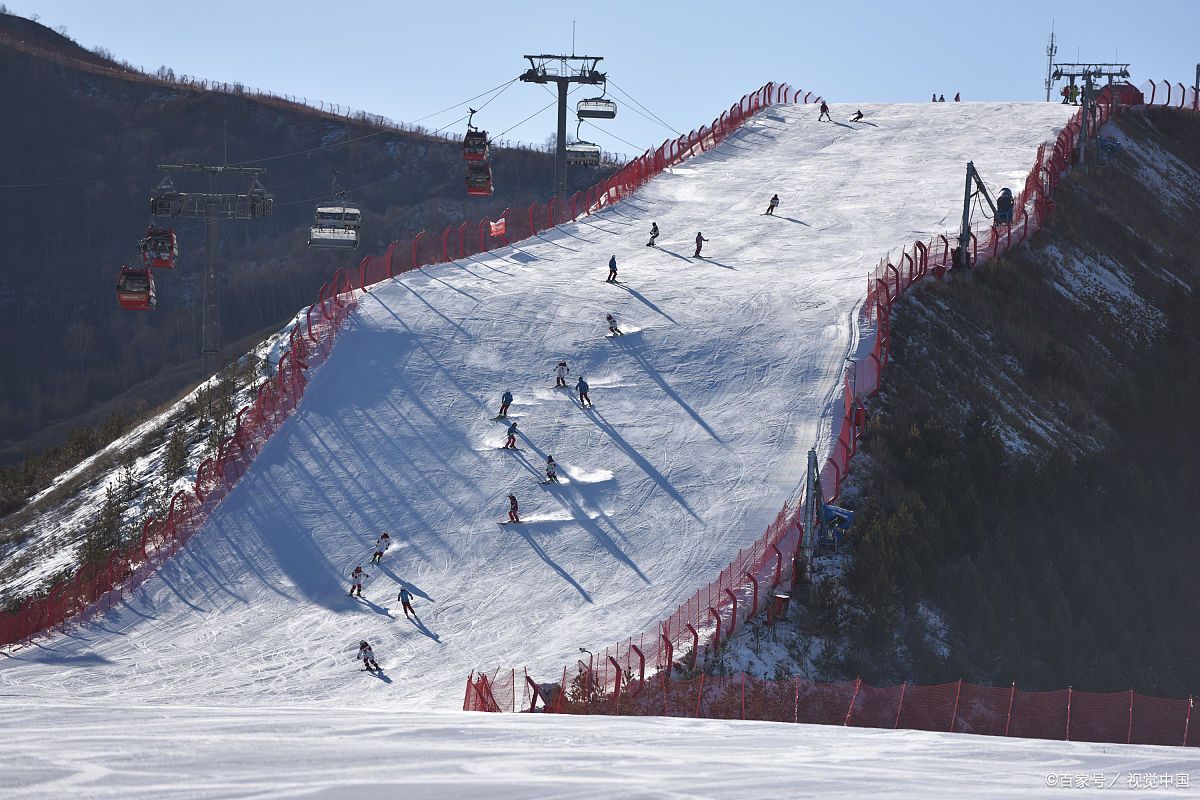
pixel 213 207
pixel 1051 51
pixel 1196 91
pixel 563 71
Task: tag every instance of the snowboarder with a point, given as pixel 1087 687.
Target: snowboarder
pixel 824 115
pixel 505 402
pixel 957 97
pixel 612 270
pixel 774 204
pixel 858 115
pixel 512 509
pixel 405 598
pixel 511 442
pixel 381 546
pixel 700 240
pixel 551 470
pixel 653 234
pixel 613 330
pixel 560 374
pixel 582 387
pixel 356 581
pixel 367 656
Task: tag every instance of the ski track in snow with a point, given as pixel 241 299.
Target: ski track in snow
pixel 699 432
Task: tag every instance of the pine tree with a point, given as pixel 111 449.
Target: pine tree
pixel 104 535
pixel 177 452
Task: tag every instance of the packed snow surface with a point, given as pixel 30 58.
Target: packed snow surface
pixel 703 415
pixel 194 752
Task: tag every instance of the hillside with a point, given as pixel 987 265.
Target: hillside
pixel 1027 483
pixel 81 151
pixel 704 410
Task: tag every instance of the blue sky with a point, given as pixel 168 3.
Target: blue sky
pixel 685 61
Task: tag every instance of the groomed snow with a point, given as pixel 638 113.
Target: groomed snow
pixel 703 414
pixel 195 752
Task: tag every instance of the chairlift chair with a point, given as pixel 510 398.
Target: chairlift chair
pixel 159 248
pixel 584 154
pixel 479 179
pixel 596 108
pixel 335 227
pixel 135 289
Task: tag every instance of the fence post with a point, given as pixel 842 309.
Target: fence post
pixel 1187 721
pixel 1068 732
pixel 717 641
pixel 616 685
pixel 732 617
pixel 699 697
pixel 754 601
pixel 1129 732
pixel 743 695
pixel 446 244
pixel 415 242
pixel 778 565
pixel 1012 695
pixel 796 700
pixel 854 697
pixel 900 707
pixel 954 716
pixel 642 665
pixel 695 643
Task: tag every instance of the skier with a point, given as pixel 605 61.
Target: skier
pixel 613 330
pixel 824 115
pixel 405 598
pixel 505 402
pixel 551 470
pixel 774 204
pixel 512 509
pixel 612 270
pixel 941 98
pixel 582 387
pixel 957 97
pixel 700 240
pixel 653 234
pixel 511 442
pixel 381 546
pixel 356 581
pixel 934 98
pixel 858 115
pixel 560 374
pixel 367 656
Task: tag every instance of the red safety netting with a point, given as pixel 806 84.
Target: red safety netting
pixel 1066 714
pixel 97 587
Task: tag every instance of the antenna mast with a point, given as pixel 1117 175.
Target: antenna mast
pixel 1051 51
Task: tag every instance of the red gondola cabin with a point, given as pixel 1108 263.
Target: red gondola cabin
pixel 135 289
pixel 160 248
pixel 479 179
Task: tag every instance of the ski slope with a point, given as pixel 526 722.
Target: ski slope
pixel 229 753
pixel 703 414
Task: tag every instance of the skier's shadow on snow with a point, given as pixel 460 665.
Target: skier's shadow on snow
pixel 864 122
pixel 525 529
pixel 379 674
pixel 378 609
pixel 641 297
pixel 634 347
pixel 416 621
pixel 412 587
pixel 641 461
pixel 844 125
pixel 791 219
pixel 713 261
pixel 673 253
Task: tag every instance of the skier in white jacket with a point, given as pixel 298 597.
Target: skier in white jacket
pixel 560 374
pixel 356 581
pixel 381 546
pixel 367 656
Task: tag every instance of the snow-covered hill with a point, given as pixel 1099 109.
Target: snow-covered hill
pixel 703 412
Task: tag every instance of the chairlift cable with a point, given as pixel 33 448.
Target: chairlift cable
pixel 636 147
pixel 464 102
pixel 648 111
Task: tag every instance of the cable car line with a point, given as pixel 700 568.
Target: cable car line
pixel 464 102
pixel 648 111
pixel 637 148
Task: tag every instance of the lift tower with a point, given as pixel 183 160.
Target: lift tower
pixel 213 206
pixel 1090 74
pixel 563 70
